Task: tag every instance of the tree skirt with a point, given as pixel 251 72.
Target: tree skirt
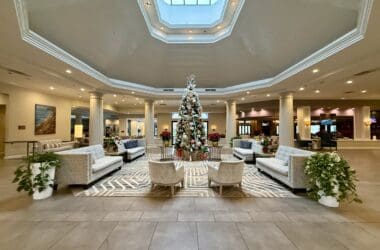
pixel 133 180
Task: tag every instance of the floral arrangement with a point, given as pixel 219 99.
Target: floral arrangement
pixel 330 175
pixel 214 137
pixel 265 142
pixel 165 135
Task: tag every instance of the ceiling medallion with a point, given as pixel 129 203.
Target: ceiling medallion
pixel 190 21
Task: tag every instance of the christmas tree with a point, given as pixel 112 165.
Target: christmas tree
pixel 191 135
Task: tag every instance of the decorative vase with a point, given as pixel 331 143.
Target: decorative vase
pixel 166 143
pixel 215 143
pixel 49 190
pixel 329 201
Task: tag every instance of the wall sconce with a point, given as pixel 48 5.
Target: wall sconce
pixel 307 123
pixel 213 127
pixel 367 123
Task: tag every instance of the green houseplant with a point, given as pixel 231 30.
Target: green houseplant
pixel 35 175
pixel 331 179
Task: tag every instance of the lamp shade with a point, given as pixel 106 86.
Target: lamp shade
pixel 78 131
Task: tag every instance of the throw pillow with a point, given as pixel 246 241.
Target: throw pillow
pixel 128 144
pixel 246 144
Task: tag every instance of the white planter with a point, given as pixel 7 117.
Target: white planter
pixel 329 201
pixel 49 190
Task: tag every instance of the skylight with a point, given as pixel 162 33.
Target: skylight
pixel 190 2
pixel 191 13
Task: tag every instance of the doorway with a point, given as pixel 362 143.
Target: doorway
pixel 2 130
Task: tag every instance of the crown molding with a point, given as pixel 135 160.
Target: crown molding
pixel 331 49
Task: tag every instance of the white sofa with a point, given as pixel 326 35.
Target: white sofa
pixel 246 154
pixel 130 153
pixel 225 173
pixel 166 173
pixel 287 166
pixel 83 166
pixel 54 145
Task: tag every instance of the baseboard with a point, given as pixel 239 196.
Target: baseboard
pixel 14 157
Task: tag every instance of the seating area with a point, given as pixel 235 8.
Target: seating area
pixel 287 166
pixel 189 124
pixel 84 166
pixel 130 149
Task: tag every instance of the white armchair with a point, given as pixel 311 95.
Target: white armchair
pixel 226 173
pixel 166 174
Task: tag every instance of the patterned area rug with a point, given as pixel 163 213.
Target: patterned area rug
pixel 133 180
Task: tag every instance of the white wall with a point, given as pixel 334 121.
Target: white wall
pixel 219 121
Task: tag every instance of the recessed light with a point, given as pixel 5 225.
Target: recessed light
pixel 133 92
pixel 123 100
pixel 242 98
pixel 82 89
pixel 68 71
pixel 248 92
pixel 317 91
pixel 364 91
pixel 190 31
pixel 233 3
pixel 219 27
pixel 350 82
pixel 51 88
pixel 137 98
pixel 218 101
pixel 162 101
pixel 301 89
pixel 148 3
pixel 114 95
pixel 342 98
pixel 268 95
pixel 315 71
pixel 162 27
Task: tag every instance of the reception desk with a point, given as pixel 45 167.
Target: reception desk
pixel 358 144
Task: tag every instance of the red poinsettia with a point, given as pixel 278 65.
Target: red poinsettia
pixel 214 137
pixel 165 135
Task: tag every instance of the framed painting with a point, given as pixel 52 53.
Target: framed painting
pixel 45 120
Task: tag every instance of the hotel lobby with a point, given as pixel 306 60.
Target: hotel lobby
pixel 189 124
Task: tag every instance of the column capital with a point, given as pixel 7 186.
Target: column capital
pixel 96 94
pixel 286 94
pixel 149 101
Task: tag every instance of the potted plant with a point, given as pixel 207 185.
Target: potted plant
pixel 35 174
pixel 165 135
pixel 214 138
pixel 265 143
pixel 331 179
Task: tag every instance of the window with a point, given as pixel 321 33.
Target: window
pixel 190 2
pixel 191 13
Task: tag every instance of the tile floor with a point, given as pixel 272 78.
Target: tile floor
pixel 67 222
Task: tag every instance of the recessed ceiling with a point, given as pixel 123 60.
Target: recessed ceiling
pixel 269 37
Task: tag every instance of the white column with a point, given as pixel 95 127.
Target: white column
pixel 96 118
pixel 304 122
pixel 230 120
pixel 362 120
pixel 149 122
pixel 286 126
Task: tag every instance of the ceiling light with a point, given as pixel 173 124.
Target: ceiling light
pixel 301 89
pixel 114 95
pixel 248 92
pixel 162 27
pixel 133 92
pixel 364 91
pixel 315 71
pixel 268 95
pixel 51 88
pixel 162 101
pixel 82 89
pixel 233 3
pixel 190 31
pixel 342 98
pixel 317 91
pixel 137 98
pixel 218 101
pixel 219 27
pixel 68 71
pixel 148 4
pixel 350 82
pixel 242 98
pixel 123 100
